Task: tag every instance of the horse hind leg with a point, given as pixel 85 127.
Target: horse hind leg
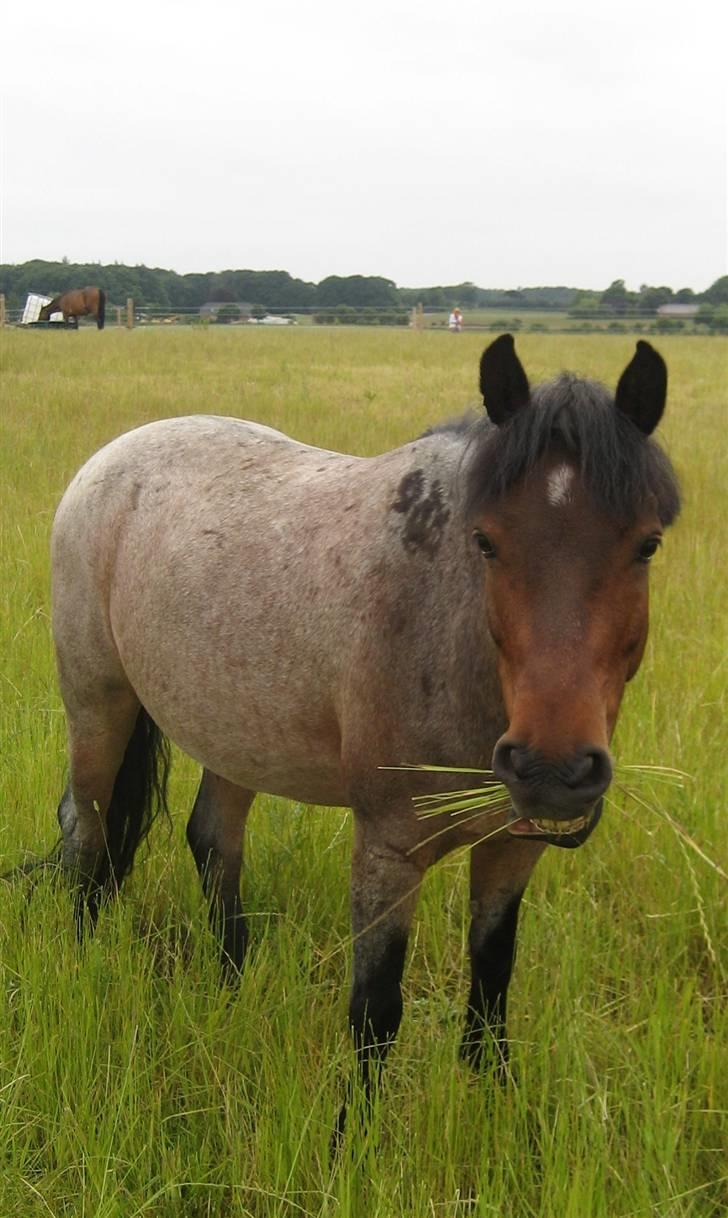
pixel 118 770
pixel 215 833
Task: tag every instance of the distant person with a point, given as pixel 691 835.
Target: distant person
pixel 455 321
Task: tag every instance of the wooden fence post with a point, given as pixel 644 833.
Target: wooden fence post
pixel 129 313
pixel 118 314
pixel 418 317
pixel 2 309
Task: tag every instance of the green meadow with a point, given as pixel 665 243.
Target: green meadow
pixel 132 1085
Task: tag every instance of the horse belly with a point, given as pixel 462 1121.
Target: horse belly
pixel 220 695
pixel 223 641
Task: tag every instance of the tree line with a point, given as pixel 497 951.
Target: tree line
pixel 277 291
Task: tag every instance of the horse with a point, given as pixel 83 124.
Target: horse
pixel 305 623
pixel 80 302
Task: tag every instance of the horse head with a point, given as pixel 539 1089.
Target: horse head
pixel 568 500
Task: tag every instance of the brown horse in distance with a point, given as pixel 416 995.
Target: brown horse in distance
pixel 80 302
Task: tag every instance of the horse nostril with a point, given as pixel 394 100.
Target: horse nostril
pixel 592 771
pixel 509 761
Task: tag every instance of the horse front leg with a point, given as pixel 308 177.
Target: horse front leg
pixel 385 884
pixel 499 873
pixel 215 833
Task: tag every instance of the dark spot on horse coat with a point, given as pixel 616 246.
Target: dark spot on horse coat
pixel 136 492
pixel 409 491
pixel 426 684
pixel 425 514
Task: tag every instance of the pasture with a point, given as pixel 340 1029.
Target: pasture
pixel 132 1085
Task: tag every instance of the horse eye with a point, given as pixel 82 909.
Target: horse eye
pixel 485 545
pixel 648 549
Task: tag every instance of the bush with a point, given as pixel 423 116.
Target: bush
pixel 719 323
pixel 228 313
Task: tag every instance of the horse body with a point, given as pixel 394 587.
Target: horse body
pixel 300 621
pixel 80 302
pixel 293 566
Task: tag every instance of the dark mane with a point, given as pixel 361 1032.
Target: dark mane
pixel 619 465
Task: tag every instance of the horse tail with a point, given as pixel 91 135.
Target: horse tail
pixel 101 310
pixel 139 795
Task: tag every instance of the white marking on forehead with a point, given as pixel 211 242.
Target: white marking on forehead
pixel 558 485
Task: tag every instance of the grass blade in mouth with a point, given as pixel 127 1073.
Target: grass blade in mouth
pixel 466 801
pixel 491 796
pixel 437 769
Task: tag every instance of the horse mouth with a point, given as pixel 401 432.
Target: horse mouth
pixel 562 832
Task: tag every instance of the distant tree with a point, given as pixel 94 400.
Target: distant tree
pixel 616 298
pixel 651 299
pixel 463 294
pixel 549 297
pixel 717 293
pixel 684 296
pixel 359 291
pixel 436 297
pixel 704 315
pixel 258 311
pixel 586 304
pixel 720 319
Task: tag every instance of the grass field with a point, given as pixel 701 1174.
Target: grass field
pixel 131 1085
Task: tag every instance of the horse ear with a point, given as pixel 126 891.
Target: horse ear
pixel 642 388
pixel 503 383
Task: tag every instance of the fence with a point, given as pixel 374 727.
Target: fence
pixel 419 317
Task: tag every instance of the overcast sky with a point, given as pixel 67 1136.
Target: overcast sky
pixel 521 142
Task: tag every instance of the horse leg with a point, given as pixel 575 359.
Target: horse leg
pixel 98 736
pixel 499 873
pixel 385 884
pixel 215 834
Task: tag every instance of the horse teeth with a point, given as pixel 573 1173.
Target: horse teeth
pixel 559 826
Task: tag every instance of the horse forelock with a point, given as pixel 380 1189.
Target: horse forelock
pixel 576 420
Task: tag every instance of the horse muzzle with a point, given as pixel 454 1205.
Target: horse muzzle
pixel 558 801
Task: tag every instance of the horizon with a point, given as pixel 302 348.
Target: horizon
pixel 271 270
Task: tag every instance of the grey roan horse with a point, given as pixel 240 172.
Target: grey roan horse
pixel 299 620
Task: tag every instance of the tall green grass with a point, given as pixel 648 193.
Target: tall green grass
pixel 131 1085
